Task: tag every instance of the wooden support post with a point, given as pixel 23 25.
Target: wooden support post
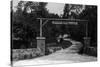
pixel 40 27
pixel 87 29
pixel 86 39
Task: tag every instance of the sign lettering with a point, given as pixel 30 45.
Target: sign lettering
pixel 62 22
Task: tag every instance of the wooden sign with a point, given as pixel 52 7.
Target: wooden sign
pixel 64 22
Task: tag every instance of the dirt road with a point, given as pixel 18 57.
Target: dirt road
pixel 62 56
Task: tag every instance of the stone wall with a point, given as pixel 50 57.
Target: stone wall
pixel 20 54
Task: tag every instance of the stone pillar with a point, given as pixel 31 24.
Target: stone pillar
pixel 41 44
pixel 86 43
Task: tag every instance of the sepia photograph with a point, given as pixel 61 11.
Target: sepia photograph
pixel 46 33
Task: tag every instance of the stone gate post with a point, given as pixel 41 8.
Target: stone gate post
pixel 41 44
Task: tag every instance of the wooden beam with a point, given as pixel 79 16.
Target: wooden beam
pixel 40 27
pixel 59 19
pixel 63 19
pixel 44 23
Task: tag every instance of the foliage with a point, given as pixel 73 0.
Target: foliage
pixel 25 26
pixel 84 12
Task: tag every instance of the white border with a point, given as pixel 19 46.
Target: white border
pixel 5 32
pixel 85 2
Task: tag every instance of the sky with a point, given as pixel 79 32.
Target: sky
pixel 15 3
pixel 56 8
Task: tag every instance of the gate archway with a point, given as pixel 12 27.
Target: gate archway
pixel 61 23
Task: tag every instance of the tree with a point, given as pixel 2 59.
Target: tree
pixel 73 10
pixel 25 26
pixel 90 13
pixel 86 12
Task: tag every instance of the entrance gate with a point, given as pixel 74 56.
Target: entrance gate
pixel 43 21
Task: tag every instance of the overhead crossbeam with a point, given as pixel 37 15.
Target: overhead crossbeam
pixel 59 19
pixel 63 19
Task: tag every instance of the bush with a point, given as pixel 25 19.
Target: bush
pixel 53 49
pixel 66 44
